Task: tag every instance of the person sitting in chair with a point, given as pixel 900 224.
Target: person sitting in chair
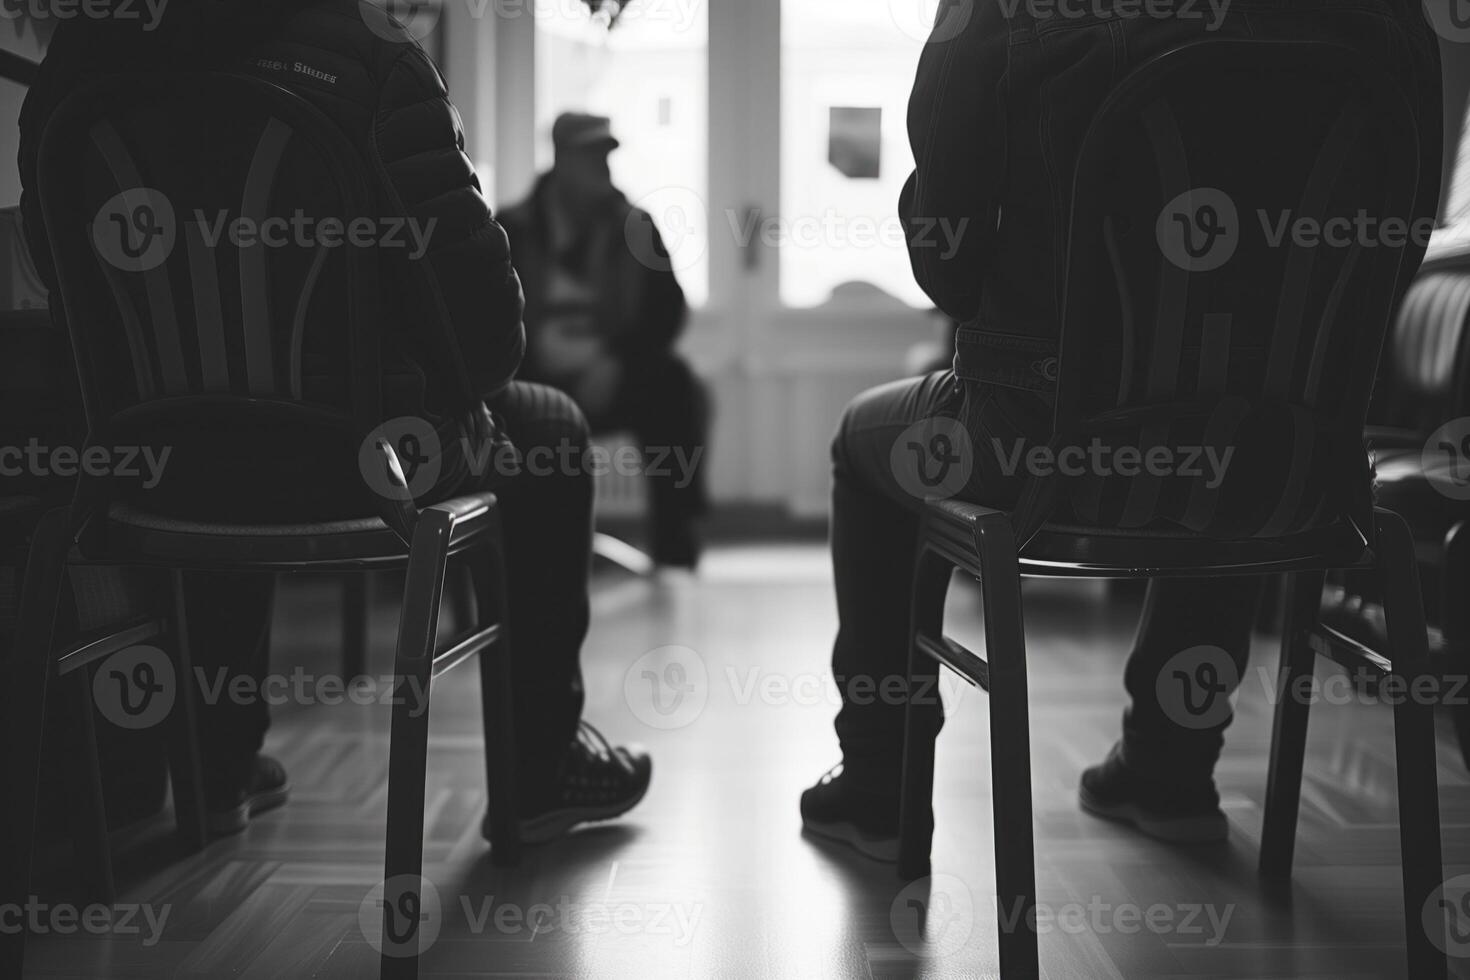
pixel 994 97
pixel 366 74
pixel 603 311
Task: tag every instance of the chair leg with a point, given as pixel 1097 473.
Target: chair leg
pixel 24 721
pixel 1289 732
pixel 497 707
pixel 92 847
pixel 409 746
pixel 1010 751
pixel 1455 581
pixel 916 800
pixel 186 765
pixel 1418 786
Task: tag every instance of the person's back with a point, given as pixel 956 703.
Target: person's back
pixel 1004 98
pixel 452 308
pixel 452 300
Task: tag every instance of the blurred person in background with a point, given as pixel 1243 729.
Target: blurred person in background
pixel 603 313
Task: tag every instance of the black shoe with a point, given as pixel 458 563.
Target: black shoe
pixel 1175 812
pixel 597 782
pixel 838 810
pixel 230 800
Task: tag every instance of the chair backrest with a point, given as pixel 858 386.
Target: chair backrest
pixel 1239 223
pixel 215 270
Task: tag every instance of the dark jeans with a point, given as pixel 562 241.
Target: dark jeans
pixel 875 529
pixel 667 409
pixel 547 519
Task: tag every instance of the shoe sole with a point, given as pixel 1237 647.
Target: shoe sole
pixel 549 826
pixel 883 849
pixel 227 823
pixel 1207 829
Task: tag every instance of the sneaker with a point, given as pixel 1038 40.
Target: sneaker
pixel 597 782
pixel 230 801
pixel 838 810
pixel 1171 813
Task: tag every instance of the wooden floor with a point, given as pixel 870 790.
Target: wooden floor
pixel 712 878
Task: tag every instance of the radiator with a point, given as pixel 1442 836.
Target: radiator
pixel 619 491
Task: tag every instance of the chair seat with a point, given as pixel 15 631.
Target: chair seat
pixel 1067 550
pixel 136 536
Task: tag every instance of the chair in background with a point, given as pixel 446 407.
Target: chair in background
pixel 1424 385
pixel 206 347
pixel 1228 354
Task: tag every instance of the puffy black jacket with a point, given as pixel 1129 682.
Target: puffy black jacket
pixel 379 86
pixel 1003 97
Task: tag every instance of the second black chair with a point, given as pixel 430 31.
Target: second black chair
pixel 1224 339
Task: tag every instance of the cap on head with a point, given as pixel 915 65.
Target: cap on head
pixel 581 131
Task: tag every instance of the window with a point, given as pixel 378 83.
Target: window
pixel 847 68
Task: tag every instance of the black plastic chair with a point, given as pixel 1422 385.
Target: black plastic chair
pixel 1424 383
pixel 233 341
pixel 1152 353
